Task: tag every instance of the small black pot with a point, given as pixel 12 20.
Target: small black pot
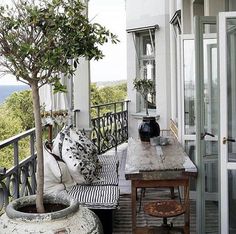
pixel 148 128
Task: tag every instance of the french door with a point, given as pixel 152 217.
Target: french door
pixel 227 72
pixel 207 124
pixel 216 123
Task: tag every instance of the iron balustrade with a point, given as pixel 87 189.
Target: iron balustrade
pixel 109 125
pixel 20 179
pixel 109 129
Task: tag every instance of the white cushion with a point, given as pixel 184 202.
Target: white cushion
pixel 56 174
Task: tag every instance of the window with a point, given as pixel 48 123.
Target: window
pixel 146 61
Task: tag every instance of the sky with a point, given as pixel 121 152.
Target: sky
pixel 111 14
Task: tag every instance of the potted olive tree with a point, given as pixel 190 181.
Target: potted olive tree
pixel 38 41
pixel 149 127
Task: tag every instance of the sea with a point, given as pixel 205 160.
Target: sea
pixel 7 90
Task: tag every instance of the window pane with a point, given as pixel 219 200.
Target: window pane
pixel 148 49
pixel 148 72
pixel 148 69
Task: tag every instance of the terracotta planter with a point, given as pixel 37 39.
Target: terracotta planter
pixel 73 219
pixel 148 128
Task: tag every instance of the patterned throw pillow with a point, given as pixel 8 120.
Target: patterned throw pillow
pixel 85 145
pixel 58 141
pixel 82 169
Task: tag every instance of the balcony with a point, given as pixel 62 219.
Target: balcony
pixel 109 132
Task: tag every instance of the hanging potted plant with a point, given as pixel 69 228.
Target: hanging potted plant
pixel 38 41
pixel 149 127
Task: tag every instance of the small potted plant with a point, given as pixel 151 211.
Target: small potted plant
pixel 149 127
pixel 144 87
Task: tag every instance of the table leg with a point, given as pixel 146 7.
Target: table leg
pixel 133 206
pixel 187 213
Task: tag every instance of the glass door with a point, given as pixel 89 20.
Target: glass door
pixel 227 62
pixel 207 124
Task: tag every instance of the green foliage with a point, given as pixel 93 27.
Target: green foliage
pixel 11 126
pixel 37 42
pixel 21 106
pixel 143 86
pixel 16 116
pixel 107 94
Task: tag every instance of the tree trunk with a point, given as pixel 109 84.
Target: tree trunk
pixel 39 148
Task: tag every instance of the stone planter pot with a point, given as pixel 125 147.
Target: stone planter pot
pixel 73 219
pixel 148 128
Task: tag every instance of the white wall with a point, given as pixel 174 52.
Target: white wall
pixel 141 13
pixel 213 7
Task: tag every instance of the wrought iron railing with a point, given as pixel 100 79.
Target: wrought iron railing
pixel 109 125
pixel 109 129
pixel 20 179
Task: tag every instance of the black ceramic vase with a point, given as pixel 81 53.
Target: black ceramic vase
pixel 148 128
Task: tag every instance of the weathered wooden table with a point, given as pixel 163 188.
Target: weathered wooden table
pixel 155 166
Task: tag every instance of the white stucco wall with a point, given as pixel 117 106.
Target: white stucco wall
pixel 213 7
pixel 141 13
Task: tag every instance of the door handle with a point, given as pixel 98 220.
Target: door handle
pixel 206 134
pixel 228 139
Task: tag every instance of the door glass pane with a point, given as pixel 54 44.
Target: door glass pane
pixel 231 79
pixel 232 201
pixel 231 101
pixel 210 86
pixel 189 87
pixel 210 121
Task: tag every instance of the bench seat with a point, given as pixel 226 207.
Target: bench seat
pixel 96 196
pixel 101 196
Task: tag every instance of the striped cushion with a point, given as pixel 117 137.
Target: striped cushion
pixel 96 197
pixel 108 173
pixel 106 178
pixel 107 168
pixel 108 159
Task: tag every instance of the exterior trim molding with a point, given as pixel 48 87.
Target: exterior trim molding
pixel 140 29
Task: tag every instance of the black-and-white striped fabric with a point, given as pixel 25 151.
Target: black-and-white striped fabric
pixel 106 178
pixel 108 173
pixel 96 197
pixel 107 168
pixel 108 159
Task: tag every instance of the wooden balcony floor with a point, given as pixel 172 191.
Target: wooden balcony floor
pixel 122 218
